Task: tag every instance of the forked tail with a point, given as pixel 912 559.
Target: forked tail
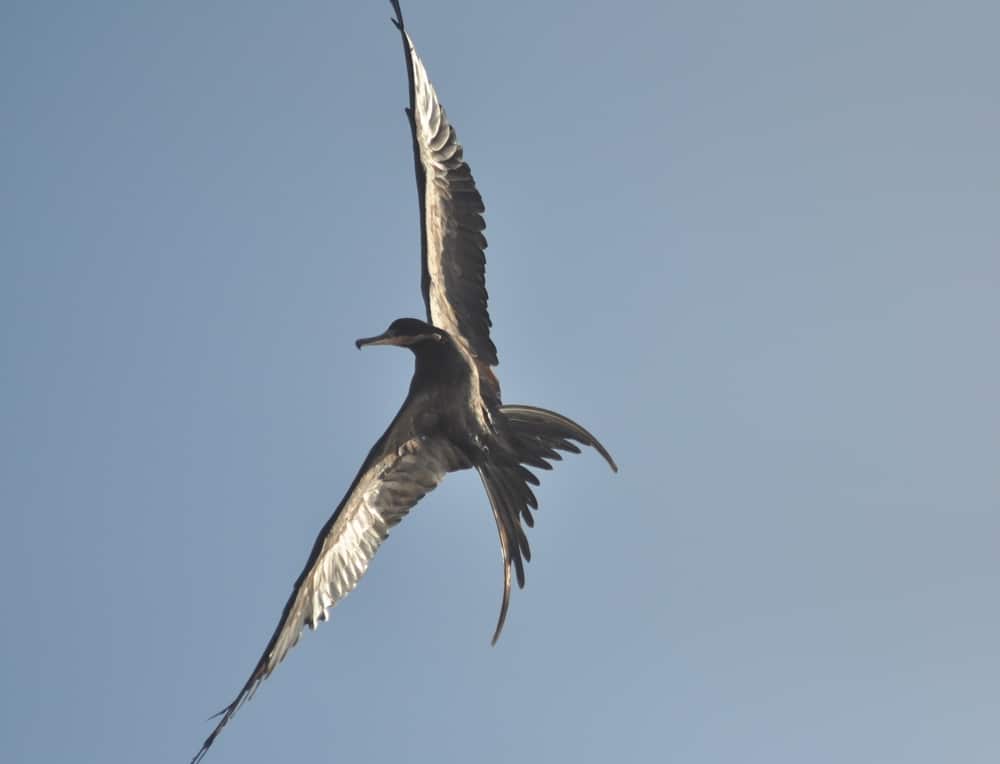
pixel 535 436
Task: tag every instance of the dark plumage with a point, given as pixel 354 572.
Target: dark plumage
pixel 452 417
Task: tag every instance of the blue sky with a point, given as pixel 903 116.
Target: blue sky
pixel 754 248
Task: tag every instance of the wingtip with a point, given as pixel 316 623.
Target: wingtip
pixel 201 753
pixel 398 20
pixel 226 714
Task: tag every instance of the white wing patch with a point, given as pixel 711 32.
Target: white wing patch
pixel 434 133
pixel 379 501
pixel 454 245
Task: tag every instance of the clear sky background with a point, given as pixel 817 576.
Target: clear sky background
pixel 754 247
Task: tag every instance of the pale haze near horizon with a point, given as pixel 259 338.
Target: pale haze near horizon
pixel 753 248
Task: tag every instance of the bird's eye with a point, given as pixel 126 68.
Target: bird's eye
pixel 437 337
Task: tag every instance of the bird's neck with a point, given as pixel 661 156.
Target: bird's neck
pixel 440 364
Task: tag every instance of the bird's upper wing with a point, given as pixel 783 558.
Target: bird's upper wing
pixel 388 485
pixel 451 222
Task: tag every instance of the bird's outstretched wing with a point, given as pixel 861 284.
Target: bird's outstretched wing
pixel 390 482
pixel 451 224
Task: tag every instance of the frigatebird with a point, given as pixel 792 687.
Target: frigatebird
pixel 452 418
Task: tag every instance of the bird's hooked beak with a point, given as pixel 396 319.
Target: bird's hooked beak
pixel 403 340
pixel 382 339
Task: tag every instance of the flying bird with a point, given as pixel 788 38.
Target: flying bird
pixel 452 417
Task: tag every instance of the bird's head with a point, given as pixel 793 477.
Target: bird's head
pixel 406 332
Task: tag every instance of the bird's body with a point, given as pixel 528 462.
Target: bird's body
pixel 452 417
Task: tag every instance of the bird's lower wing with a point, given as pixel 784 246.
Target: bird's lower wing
pixel 381 495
